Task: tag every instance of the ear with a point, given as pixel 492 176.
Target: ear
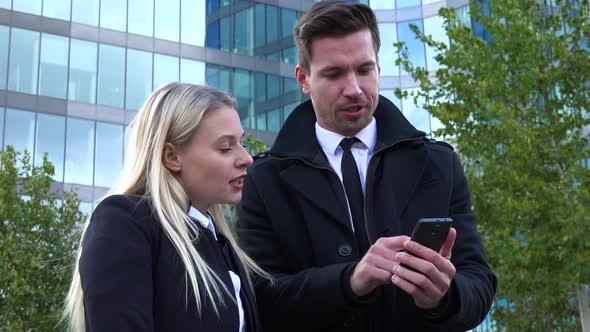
pixel 171 158
pixel 302 79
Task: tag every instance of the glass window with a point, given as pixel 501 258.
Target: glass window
pixel 414 112
pixel 165 69
pixel 389 94
pixel 168 19
pixel 20 130
pixel 415 46
pixel 261 121
pixel 193 20
pixel 387 53
pixel 192 71
pixel 290 84
pixel 218 77
pixel 434 26
pixel 27 6
pixel 272 23
pixel 79 151
pixel 3 56
pixel 407 3
pixel 86 208
pixel 83 58
pixel 113 14
pixel 287 109
pixel 53 70
pixel 244 36
pixel 141 17
pixel 382 4
pixel 213 35
pixel 24 61
pixel 111 75
pixel 59 9
pixel 290 55
pixel 260 25
pixel 273 120
pixel 109 154
pixel 85 11
pixel 288 22
pixel 275 56
pixel 274 86
pixel 50 139
pixel 260 86
pixel 1 128
pixel 139 78
pixel 225 31
pixel 5 4
pixel 243 93
pixel 463 15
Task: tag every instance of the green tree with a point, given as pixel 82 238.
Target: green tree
pixel 516 107
pixel 37 243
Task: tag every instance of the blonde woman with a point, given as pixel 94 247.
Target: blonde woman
pixel 157 254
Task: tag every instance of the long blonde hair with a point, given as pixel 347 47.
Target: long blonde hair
pixel 171 114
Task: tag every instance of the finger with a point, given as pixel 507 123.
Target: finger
pixel 440 278
pixel 424 288
pixel 432 256
pixel 395 243
pixel 381 250
pixel 447 247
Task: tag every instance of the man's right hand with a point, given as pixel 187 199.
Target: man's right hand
pixel 375 268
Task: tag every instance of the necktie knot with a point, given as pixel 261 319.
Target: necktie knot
pixel 347 143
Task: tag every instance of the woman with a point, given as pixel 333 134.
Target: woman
pixel 157 254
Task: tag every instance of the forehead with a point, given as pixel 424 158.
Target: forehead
pixel 223 121
pixel 342 50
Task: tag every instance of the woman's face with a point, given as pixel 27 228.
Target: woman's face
pixel 213 164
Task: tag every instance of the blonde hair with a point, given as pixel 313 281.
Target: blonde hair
pixel 171 114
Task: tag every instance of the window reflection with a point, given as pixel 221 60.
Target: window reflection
pixel 3 56
pixel 288 22
pixel 387 53
pixel 415 113
pixel 415 46
pixel 243 92
pixel 193 16
pixel 5 4
pixel 167 19
pixel 27 6
pixel 165 69
pixel 20 129
pixel 50 139
pixel 82 84
pixel 113 14
pixel 111 75
pixel 139 78
pixel 407 3
pixel 274 120
pixel 79 151
pixel 85 11
pixel 244 38
pixel 24 58
pixel 382 4
pixel 192 71
pixel 109 154
pixel 261 121
pixel 141 17
pixel 53 69
pixel 434 26
pixel 59 9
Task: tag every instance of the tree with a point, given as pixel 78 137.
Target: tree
pixel 516 107
pixel 37 244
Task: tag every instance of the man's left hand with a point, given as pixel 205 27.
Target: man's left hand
pixel 431 283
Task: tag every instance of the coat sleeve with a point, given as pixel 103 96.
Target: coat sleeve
pixel 474 286
pixel 314 297
pixel 116 269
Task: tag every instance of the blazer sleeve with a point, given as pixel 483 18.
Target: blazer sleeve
pixel 474 285
pixel 116 268
pixel 321 294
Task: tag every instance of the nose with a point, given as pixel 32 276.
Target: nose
pixel 352 87
pixel 244 160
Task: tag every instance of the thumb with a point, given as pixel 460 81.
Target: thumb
pixel 447 246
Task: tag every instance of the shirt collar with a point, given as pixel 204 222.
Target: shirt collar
pixel 330 141
pixel 205 220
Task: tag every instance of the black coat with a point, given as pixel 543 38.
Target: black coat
pixel 293 221
pixel 134 280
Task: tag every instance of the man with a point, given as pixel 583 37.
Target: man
pixel 334 238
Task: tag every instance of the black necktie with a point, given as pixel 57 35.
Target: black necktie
pixel 354 192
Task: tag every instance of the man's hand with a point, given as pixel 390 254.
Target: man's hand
pixel 376 267
pixel 436 272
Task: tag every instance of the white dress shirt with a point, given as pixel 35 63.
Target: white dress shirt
pixel 207 222
pixel 362 151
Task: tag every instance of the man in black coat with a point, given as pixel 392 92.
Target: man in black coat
pixel 334 239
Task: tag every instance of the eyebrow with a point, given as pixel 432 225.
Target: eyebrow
pixel 334 68
pixel 229 137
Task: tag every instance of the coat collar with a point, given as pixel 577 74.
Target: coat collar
pixel 297 138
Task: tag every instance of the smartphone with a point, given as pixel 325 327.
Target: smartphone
pixel 431 233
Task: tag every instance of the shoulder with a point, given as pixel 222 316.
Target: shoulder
pixel 439 146
pixel 123 213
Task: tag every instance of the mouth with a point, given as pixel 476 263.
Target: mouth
pixel 238 182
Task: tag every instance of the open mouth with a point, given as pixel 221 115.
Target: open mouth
pixel 238 181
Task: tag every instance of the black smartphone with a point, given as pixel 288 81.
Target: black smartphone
pixel 431 233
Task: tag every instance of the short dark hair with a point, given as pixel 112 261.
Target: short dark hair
pixel 333 18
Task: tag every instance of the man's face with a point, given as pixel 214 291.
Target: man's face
pixel 342 81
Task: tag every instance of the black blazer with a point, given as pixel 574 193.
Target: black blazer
pixel 134 280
